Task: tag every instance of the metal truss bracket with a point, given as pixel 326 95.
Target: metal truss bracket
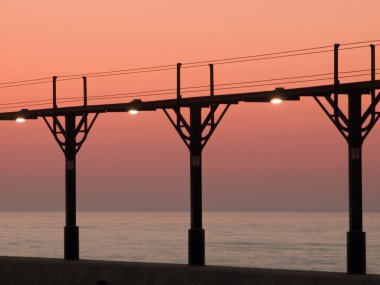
pixel 338 118
pixel 368 119
pixel 370 114
pixel 184 128
pixel 179 124
pixel 210 121
pixel 66 137
pixel 361 122
pixel 55 132
pixel 83 127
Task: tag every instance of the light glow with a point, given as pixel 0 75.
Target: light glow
pixel 20 120
pixel 133 111
pixel 276 101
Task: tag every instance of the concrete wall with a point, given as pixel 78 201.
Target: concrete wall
pixel 44 271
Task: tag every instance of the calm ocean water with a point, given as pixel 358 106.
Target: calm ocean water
pixel 292 240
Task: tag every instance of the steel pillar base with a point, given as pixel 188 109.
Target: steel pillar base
pixel 71 240
pixel 356 253
pixel 196 247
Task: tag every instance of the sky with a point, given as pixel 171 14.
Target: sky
pixel 261 157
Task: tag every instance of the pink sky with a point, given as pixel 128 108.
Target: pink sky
pixel 287 157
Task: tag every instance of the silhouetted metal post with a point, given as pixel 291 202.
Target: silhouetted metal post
pixel 211 80
pixel 336 64
pixel 195 138
pixel 71 236
pixel 54 93
pixel 373 70
pixel 354 129
pixel 196 232
pixel 336 78
pixel 212 89
pixel 178 90
pixel 356 247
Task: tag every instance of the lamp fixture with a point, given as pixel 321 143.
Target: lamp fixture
pixel 133 111
pixel 20 120
pixel 276 101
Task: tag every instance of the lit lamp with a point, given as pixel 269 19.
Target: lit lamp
pixel 20 120
pixel 276 101
pixel 133 111
pixel 134 106
pixel 279 94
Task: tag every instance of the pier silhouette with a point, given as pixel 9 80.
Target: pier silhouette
pixel 70 127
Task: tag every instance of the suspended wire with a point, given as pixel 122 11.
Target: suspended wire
pixel 221 84
pixel 289 82
pixel 93 74
pixel 28 80
pixel 201 88
pixel 132 72
pixel 72 77
pixel 158 92
pixel 275 57
pixel 363 42
pixel 257 55
pixel 122 70
pixel 258 59
pixel 25 84
pixel 266 56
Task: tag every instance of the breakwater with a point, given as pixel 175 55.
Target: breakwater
pixel 47 271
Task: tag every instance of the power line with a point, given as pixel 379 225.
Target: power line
pixel 274 55
pixel 28 80
pixel 263 58
pixel 277 53
pixel 257 55
pixel 204 86
pixel 25 84
pixel 159 91
pixel 363 42
pixel 200 88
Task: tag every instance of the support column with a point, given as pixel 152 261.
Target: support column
pixel 66 137
pixel 71 232
pixel 195 137
pixel 356 245
pixel 196 232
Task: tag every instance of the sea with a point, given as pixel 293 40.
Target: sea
pixel 286 240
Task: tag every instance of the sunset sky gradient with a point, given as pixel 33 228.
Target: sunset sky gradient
pixel 261 157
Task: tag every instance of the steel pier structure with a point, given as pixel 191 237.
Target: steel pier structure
pixel 354 124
